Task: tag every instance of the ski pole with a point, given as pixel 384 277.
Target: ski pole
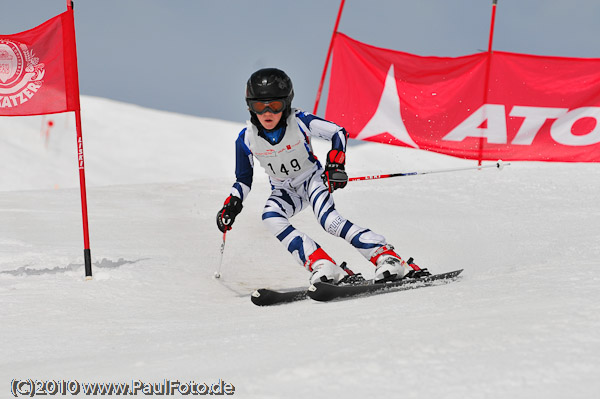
pixel 500 165
pixel 218 272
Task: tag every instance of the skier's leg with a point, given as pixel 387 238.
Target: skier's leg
pixel 372 246
pixel 321 200
pixel 282 205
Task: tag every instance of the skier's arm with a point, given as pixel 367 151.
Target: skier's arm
pixel 319 127
pixel 335 175
pixel 244 168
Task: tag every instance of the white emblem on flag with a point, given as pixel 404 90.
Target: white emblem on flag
pixel 387 117
pixel 21 73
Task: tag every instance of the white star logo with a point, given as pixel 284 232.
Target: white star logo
pixel 387 117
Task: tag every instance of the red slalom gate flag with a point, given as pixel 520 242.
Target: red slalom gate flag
pixel 38 69
pixel 38 75
pixel 535 109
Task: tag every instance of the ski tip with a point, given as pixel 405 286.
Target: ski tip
pixel 258 299
pixel 268 297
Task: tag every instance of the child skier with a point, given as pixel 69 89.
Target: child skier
pixel 278 136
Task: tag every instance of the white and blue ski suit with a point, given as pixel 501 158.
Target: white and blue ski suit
pixel 295 175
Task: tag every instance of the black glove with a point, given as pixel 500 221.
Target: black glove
pixel 335 176
pixel 226 216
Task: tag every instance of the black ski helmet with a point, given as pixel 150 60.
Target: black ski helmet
pixel 269 84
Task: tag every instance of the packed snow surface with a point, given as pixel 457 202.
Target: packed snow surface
pixel 522 322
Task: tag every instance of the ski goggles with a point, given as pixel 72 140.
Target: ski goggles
pixel 260 107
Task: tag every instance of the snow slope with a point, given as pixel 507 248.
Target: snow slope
pixel 523 322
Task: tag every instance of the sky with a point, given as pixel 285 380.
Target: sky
pixel 521 323
pixel 195 56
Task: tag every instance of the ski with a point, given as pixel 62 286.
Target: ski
pixel 268 297
pixel 324 292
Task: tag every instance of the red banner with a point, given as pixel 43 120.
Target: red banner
pixel 38 69
pixel 504 106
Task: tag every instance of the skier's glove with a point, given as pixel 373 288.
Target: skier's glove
pixel 226 216
pixel 335 176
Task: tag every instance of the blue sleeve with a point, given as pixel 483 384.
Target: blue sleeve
pixel 244 168
pixel 324 129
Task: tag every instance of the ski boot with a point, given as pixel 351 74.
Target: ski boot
pixel 323 268
pixel 389 266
